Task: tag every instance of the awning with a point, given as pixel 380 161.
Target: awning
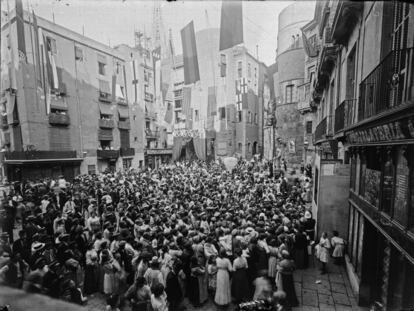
pixel 106 109
pixel 59 103
pixel 104 87
pixel 123 113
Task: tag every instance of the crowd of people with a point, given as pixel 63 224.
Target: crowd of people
pixel 150 238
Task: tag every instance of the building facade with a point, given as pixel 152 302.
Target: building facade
pixel 65 103
pixel 288 78
pixel 365 88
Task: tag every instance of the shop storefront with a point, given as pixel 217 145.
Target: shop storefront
pixel 156 157
pixel 380 258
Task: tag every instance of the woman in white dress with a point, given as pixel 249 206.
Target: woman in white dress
pixel 324 247
pixel 223 289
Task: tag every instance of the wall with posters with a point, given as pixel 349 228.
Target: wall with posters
pixel 333 197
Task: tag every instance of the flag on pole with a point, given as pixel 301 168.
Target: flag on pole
pixel 309 48
pixel 231 25
pixel 21 45
pixel 191 70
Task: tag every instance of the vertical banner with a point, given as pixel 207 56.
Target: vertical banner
pixel 37 50
pixel 21 45
pixel 231 25
pixel 134 80
pixel 191 70
pixel 169 113
pixel 114 88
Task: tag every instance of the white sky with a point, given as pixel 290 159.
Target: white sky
pixel 114 21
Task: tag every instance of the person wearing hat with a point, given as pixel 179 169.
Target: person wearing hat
pixel 34 281
pixel 309 226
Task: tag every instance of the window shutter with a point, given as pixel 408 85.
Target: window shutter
pixel 59 139
pixel 124 136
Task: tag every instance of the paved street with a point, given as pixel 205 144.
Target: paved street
pixel 332 293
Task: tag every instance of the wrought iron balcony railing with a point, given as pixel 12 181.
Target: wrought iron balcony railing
pixel 106 123
pixel 59 119
pixel 39 155
pixel 345 114
pixel 127 152
pixel 389 85
pixel 107 154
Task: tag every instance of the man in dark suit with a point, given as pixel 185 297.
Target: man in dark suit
pixel 173 289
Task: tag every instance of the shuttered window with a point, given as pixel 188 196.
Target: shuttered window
pixel 124 136
pixel 59 139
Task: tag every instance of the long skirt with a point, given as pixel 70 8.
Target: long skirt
pixel 289 289
pixel 111 283
pixel 101 274
pixel 272 267
pixel 203 287
pixel 223 290
pixel 240 285
pixel 91 279
pixel 299 257
pixel 194 291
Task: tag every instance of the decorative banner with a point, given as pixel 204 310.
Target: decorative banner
pixel 189 133
pixel 241 94
pixel 191 70
pixel 21 45
pixel 231 24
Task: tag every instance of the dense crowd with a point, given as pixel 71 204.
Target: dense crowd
pixel 150 238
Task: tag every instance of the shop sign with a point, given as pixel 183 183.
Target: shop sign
pixel 398 130
pixel 158 151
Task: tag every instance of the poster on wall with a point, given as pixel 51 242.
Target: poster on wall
pixel 401 189
pixel 372 186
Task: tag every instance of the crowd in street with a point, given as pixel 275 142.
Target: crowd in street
pixel 150 238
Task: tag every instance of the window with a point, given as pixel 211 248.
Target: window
pixel 222 113
pixel 255 119
pixel 51 45
pixel 240 146
pixel 308 127
pixel 289 94
pixel 255 72
pixel 91 169
pixel 196 115
pixel 240 69
pixel 140 163
pixel 78 53
pixel 145 76
pixel 101 68
pixel 249 147
pixel 118 68
pixel 177 117
pixel 105 144
pixel 309 72
pixel 134 117
pixel 249 70
pixel 249 117
pixel 135 139
pixel 178 104
pixel 239 116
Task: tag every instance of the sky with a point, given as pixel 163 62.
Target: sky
pixel 112 22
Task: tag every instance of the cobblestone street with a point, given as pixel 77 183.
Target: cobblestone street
pixel 328 292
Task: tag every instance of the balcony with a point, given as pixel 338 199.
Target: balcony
pixel 39 155
pixel 345 20
pixel 106 123
pixel 324 129
pixel 151 134
pixel 124 125
pixel 345 114
pixel 59 119
pixel 127 152
pixel 388 86
pixel 121 101
pixel 104 97
pixel 107 154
